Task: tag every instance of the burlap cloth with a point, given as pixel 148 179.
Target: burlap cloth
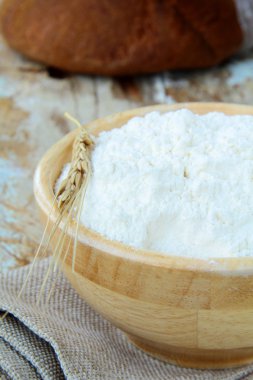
pixel 67 339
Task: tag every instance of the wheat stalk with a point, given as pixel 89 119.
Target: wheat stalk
pixel 69 198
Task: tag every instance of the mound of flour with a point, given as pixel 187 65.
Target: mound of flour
pixel 177 183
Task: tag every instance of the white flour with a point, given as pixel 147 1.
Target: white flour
pixel 177 183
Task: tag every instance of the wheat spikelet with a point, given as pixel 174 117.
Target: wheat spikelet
pixel 79 169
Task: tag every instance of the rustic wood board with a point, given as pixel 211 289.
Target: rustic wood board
pixel 32 102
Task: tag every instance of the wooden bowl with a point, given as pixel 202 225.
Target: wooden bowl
pixel 186 311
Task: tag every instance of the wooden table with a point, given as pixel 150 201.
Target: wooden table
pixel 32 102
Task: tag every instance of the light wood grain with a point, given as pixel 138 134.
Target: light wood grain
pixel 192 312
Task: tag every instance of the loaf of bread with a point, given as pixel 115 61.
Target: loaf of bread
pixel 121 37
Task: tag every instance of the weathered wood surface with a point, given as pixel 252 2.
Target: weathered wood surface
pixel 32 102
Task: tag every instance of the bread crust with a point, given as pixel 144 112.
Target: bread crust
pixel 122 37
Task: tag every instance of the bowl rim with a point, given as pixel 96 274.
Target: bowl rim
pixel 44 179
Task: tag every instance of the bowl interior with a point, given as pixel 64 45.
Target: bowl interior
pixel 50 167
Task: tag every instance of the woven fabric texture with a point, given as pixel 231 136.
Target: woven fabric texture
pixel 65 338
